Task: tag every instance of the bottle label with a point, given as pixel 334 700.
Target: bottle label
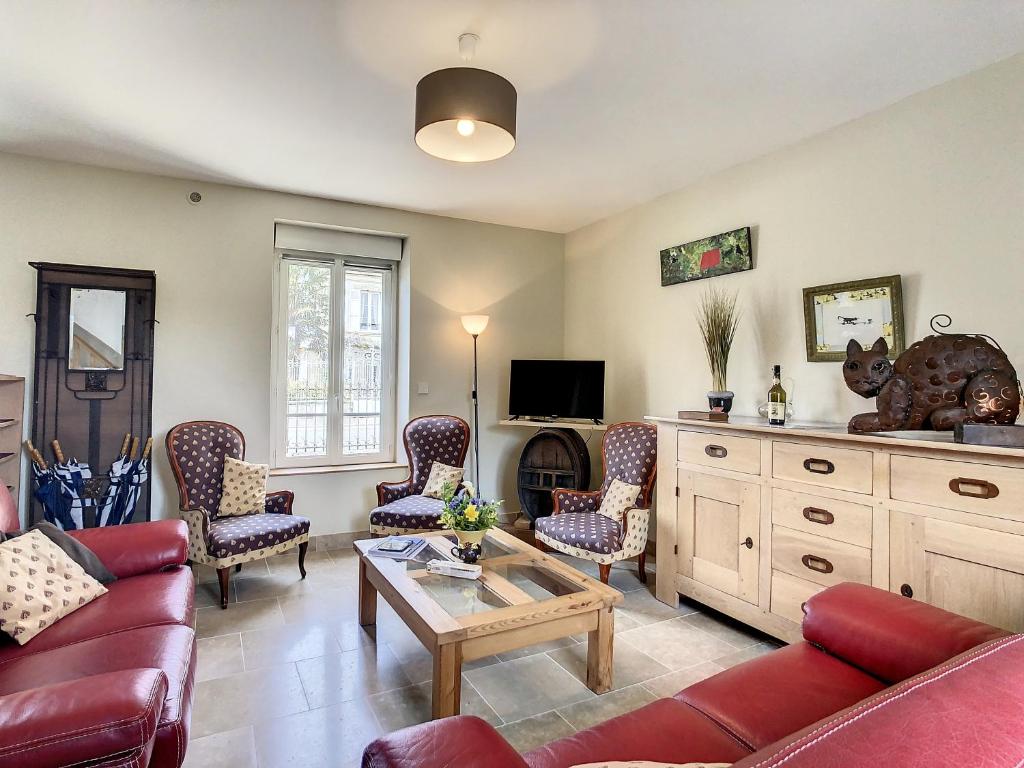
pixel 776 411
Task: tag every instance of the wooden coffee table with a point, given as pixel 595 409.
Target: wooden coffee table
pixel 522 598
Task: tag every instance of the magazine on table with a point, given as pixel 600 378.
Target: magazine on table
pixel 399 547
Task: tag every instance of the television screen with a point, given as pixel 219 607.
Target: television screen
pixel 568 389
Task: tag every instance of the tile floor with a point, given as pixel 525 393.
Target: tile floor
pixel 287 677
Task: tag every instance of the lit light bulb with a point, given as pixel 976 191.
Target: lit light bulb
pixel 465 127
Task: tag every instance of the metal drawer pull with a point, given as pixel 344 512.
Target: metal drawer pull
pixel 819 466
pixel 748 543
pixel 716 451
pixel 815 563
pixel 822 516
pixel 976 489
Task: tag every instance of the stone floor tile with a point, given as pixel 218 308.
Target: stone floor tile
pixel 351 675
pixel 235 748
pixel 674 682
pixel 329 737
pixel 746 654
pixel 218 656
pixel 292 642
pixel 530 650
pixel 642 608
pixel 725 628
pixel 676 643
pixel 589 713
pixel 226 703
pixel 629 665
pixel 238 617
pixel 533 732
pixel 408 706
pixel 527 687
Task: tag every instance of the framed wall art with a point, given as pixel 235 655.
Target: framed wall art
pixel 708 257
pixel 865 310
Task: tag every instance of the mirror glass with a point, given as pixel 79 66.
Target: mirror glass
pixel 96 330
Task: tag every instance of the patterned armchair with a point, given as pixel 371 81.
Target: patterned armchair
pixel 400 507
pixel 630 453
pixel 196 450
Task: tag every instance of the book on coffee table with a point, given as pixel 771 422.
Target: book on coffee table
pixel 399 547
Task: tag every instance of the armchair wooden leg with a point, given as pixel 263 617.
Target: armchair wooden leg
pixel 606 571
pixel 302 558
pixel 641 565
pixel 224 577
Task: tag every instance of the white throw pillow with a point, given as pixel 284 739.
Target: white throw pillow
pixel 619 498
pixel 245 488
pixel 439 475
pixel 41 585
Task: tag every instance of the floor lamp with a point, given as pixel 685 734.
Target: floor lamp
pixel 474 325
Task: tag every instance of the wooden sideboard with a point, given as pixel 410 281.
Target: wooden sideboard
pixel 752 520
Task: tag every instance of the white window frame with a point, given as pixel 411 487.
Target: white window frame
pixel 389 348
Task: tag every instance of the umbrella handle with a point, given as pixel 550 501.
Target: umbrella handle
pixel 148 448
pixel 35 455
pixel 125 443
pixel 57 452
pixel 135 448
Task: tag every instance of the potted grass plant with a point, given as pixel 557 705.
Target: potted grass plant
pixel 469 517
pixel 718 318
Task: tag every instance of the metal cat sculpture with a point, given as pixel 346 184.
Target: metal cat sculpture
pixel 938 382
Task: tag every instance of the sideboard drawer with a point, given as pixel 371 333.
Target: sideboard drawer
pixel 740 454
pixel 818 516
pixel 843 468
pixel 817 559
pixel 984 489
pixel 789 593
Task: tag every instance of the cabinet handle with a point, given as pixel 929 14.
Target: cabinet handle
pixel 716 451
pixel 976 489
pixel 906 590
pixel 815 563
pixel 819 466
pixel 748 543
pixel 822 516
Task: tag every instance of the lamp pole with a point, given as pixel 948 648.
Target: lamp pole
pixel 476 420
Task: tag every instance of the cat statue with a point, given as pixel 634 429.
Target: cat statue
pixel 937 383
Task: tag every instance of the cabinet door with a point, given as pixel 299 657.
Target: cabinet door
pixel 719 529
pixel 975 572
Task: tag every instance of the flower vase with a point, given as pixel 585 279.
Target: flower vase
pixel 468 550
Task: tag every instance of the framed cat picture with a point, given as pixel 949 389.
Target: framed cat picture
pixel 862 310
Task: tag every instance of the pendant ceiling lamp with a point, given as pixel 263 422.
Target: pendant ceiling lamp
pixel 465 114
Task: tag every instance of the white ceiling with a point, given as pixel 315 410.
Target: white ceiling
pixel 619 100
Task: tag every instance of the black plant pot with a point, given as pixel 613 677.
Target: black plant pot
pixel 720 401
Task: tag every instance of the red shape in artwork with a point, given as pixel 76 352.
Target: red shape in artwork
pixel 710 259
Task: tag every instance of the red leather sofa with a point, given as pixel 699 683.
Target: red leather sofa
pixel 880 680
pixel 109 686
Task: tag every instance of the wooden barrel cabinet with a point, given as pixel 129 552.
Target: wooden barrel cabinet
pixel 752 520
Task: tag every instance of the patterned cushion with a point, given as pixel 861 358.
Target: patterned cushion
pixel 440 474
pixel 244 488
pixel 41 585
pixel 620 497
pixel 235 535
pixel 586 530
pixel 631 455
pixel 409 512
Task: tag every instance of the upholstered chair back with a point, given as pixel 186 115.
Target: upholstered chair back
pixel 630 453
pixel 434 438
pixel 197 450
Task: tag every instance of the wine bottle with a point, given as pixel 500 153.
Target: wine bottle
pixel 777 399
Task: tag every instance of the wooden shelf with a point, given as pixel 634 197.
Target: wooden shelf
pixel 582 426
pixel 5 456
pixel 4 423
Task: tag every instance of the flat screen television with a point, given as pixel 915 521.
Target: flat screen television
pixel 565 389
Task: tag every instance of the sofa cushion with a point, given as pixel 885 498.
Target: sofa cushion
pixel 663 731
pixel 591 531
pixel 244 489
pixel 169 648
pixel 619 498
pixel 440 476
pixel 164 597
pixel 764 699
pixel 414 511
pixel 238 535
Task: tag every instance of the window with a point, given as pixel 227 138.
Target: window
pixel 336 360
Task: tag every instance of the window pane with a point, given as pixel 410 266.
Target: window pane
pixel 363 380
pixel 309 358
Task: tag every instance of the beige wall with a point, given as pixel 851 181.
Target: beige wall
pixel 931 188
pixel 214 265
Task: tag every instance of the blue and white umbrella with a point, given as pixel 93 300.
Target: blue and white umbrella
pixel 108 510
pixel 131 475
pixel 72 475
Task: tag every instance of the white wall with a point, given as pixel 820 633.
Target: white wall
pixel 931 188
pixel 214 265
